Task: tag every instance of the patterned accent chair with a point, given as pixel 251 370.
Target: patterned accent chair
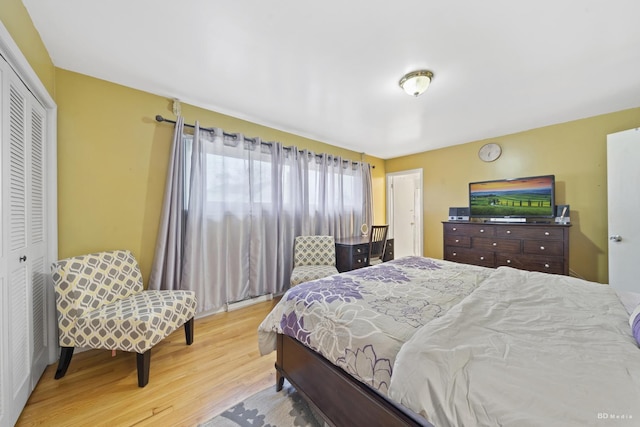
pixel 101 304
pixel 314 257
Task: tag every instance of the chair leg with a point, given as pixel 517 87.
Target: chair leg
pixel 188 331
pixel 143 361
pixel 65 358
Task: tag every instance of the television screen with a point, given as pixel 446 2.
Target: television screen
pixel 528 197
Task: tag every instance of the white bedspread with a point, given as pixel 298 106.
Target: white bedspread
pixel 524 349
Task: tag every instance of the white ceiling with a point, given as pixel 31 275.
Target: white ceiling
pixel 329 70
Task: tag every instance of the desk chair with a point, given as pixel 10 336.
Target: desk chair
pixel 377 243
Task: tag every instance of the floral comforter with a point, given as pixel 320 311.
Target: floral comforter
pixel 358 320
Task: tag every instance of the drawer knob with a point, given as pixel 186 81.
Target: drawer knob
pixel 542 248
pixel 454 229
pixel 359 261
pixel 457 240
pixel 358 250
pixel 508 261
pixel 482 230
pixel 454 254
pixel 508 231
pixel 495 244
pixel 546 266
pixel 481 258
pixel 546 233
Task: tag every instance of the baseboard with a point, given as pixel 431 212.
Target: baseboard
pixel 247 302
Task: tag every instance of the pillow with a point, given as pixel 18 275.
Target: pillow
pixel 634 321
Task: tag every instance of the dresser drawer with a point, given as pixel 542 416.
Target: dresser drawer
pixel 351 256
pixel 470 256
pixel 359 250
pixel 542 264
pixel 531 232
pixel 462 241
pixel 543 247
pixel 359 261
pixel 469 229
pixel 495 244
pixel 359 255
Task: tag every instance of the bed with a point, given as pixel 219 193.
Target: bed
pixel 419 341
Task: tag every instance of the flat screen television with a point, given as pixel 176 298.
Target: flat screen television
pixel 529 197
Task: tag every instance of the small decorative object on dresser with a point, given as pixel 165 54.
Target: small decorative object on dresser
pixel 459 214
pixel 562 214
pixel 526 246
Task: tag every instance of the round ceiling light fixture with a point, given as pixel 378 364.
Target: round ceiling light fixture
pixel 416 82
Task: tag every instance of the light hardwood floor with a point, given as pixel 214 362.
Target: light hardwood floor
pixel 187 384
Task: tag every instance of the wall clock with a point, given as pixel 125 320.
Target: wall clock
pixel 489 152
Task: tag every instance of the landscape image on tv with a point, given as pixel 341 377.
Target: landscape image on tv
pixel 521 197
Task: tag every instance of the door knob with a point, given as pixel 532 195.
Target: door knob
pixel 23 258
pixel 615 238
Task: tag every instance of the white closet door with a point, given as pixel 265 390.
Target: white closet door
pixel 28 229
pixel 37 248
pixel 17 256
pixel 24 238
pixel 5 390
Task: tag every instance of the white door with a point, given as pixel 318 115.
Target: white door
pixel 24 251
pixel 404 212
pixel 39 268
pixel 623 177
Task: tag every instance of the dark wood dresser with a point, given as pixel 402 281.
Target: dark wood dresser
pixel 527 246
pixel 353 252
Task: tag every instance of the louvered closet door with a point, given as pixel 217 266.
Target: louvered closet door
pixel 24 241
pixel 36 241
pixel 5 390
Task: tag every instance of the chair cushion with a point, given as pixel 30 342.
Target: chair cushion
pixel 136 323
pixel 306 273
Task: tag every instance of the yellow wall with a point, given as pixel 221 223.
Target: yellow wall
pixel 575 152
pixel 18 23
pixel 378 176
pixel 112 161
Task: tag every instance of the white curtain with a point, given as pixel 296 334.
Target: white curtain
pixel 245 202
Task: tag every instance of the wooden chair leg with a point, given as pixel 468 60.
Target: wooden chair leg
pixel 65 358
pixel 143 361
pixel 188 331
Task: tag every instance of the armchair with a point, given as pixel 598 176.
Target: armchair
pixel 101 304
pixel 314 257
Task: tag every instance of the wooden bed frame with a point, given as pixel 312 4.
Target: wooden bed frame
pixel 337 396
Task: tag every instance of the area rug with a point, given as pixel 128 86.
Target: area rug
pixel 269 408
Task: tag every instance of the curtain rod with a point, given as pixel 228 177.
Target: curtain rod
pixel 159 118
